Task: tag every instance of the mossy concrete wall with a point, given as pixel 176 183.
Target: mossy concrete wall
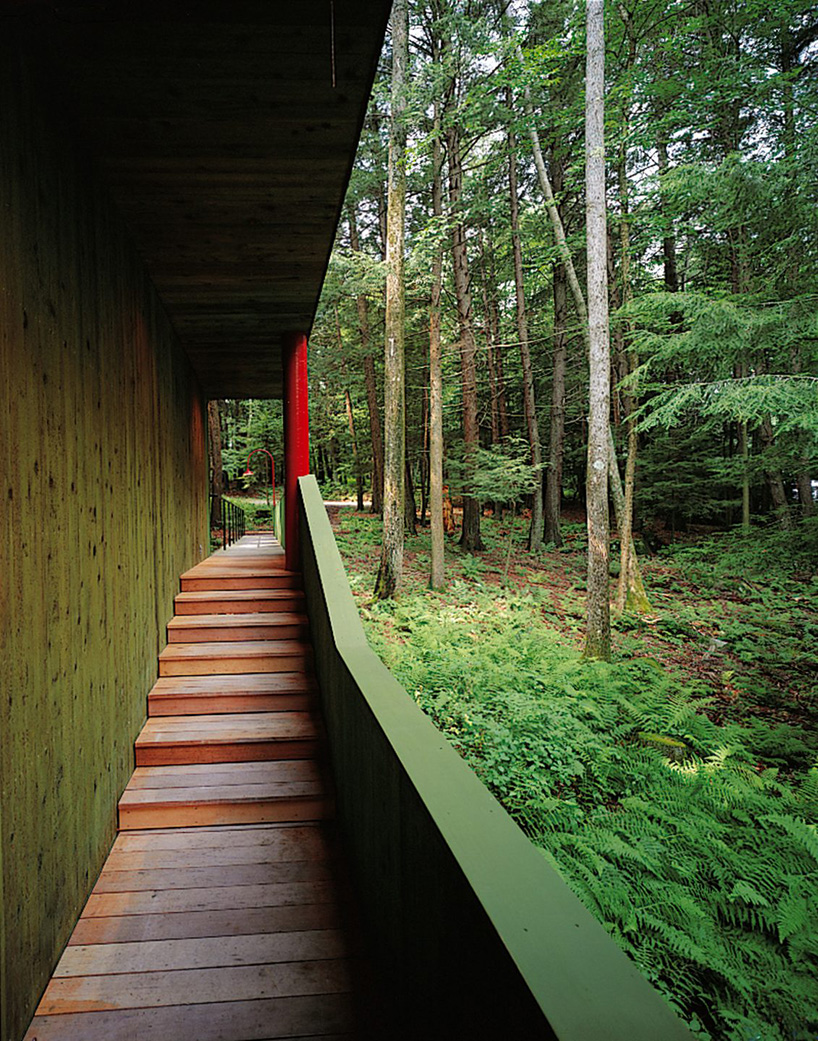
pixel 476 934
pixel 104 500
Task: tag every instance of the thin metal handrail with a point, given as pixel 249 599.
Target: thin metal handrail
pixel 233 522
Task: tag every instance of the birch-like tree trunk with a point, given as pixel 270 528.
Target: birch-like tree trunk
pixel 598 629
pixel 565 255
pixel 436 578
pixel 391 566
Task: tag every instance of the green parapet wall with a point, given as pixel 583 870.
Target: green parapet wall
pixel 475 934
pixel 278 518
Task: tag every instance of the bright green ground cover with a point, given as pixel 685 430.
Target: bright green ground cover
pixel 676 788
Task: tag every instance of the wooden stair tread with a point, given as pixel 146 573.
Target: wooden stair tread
pixel 235 628
pixel 233 693
pixel 236 601
pixel 244 683
pixel 230 621
pixel 232 648
pixel 250 726
pixel 234 656
pixel 276 771
pixel 232 793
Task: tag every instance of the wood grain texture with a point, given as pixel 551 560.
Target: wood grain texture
pixel 104 489
pixel 329 1016
pixel 203 901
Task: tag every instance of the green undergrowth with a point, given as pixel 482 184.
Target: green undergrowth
pixel 691 838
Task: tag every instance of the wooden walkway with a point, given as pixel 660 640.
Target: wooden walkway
pixel 221 913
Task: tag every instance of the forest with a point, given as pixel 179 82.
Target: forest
pixel 565 366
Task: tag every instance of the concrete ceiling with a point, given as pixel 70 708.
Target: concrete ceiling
pixel 226 131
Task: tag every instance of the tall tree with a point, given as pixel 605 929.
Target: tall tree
pixel 470 538
pixel 391 565
pixel 376 437
pixel 436 577
pixel 535 534
pixel 598 631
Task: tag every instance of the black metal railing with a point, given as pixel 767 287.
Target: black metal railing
pixel 233 522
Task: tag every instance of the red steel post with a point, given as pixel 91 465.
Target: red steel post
pixel 296 438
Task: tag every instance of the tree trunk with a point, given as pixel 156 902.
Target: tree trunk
pixel 671 269
pixel 359 480
pixel 490 334
pixel 436 577
pixel 598 631
pixel 214 428
pixel 556 437
pixel 356 459
pixel 497 347
pixel 774 482
pixel 553 212
pixel 410 506
pixel 630 592
pixel 376 437
pixel 391 566
pixel 470 538
pixel 535 534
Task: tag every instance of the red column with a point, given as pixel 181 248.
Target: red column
pixel 296 438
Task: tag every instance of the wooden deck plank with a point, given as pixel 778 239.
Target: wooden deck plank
pixel 223 918
pixel 330 1016
pixel 192 924
pixel 209 952
pixel 208 899
pixel 241 692
pixel 237 601
pixel 136 859
pixel 212 877
pixel 203 628
pixel 205 838
pixel 201 813
pixel 249 750
pixel 195 986
pixel 209 658
pixel 247 683
pixel 263 723
pixel 206 775
pixel 221 793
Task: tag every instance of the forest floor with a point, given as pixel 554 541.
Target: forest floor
pixel 728 617
pixel 674 788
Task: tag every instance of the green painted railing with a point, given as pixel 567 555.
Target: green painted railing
pixel 475 934
pixel 278 518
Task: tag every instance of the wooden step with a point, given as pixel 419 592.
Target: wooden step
pixel 229 658
pixel 251 736
pixel 230 793
pixel 205 628
pixel 248 692
pixel 239 601
pixel 233 572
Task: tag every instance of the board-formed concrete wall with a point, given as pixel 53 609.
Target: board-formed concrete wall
pixel 103 464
